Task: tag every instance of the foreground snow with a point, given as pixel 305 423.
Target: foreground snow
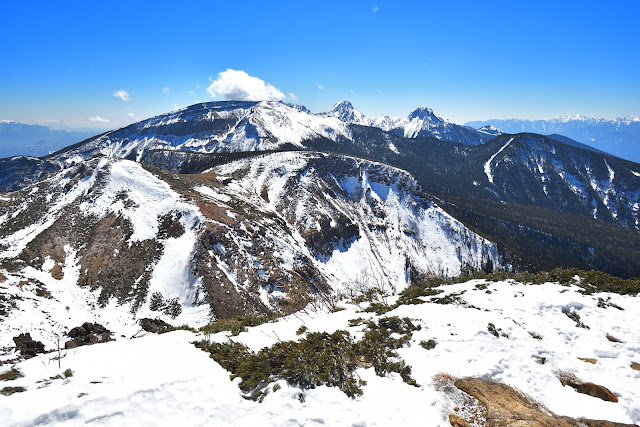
pixel 164 380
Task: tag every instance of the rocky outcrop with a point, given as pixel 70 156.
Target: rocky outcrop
pixel 27 346
pixel 155 326
pixel 508 407
pixel 87 334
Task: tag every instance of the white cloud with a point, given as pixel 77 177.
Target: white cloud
pixel 240 86
pixel 122 94
pixel 165 89
pixel 375 9
pixel 352 91
pixel 293 96
pixel 320 86
pixel 98 119
pixel 133 116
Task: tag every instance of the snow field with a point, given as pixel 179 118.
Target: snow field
pixel 164 380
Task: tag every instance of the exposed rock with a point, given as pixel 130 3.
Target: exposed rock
pixel 588 360
pixel 156 326
pixel 56 272
pixel 635 366
pixel 457 421
pixel 595 390
pixel 2 278
pixel 87 334
pixel 76 332
pixel 27 347
pixel 612 338
pixel 508 407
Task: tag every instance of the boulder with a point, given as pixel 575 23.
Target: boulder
pixel 457 421
pixel 76 332
pixel 155 326
pixel 27 347
pixel 56 272
pixel 87 334
pixel 595 390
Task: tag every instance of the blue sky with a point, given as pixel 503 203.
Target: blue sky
pixel 62 62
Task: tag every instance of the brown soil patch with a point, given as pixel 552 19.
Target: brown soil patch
pixel 56 272
pixel 216 213
pixel 506 406
pixel 588 360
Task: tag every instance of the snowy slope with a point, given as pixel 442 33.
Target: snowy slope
pixel 222 243
pixel 533 169
pixel 165 380
pixel 376 223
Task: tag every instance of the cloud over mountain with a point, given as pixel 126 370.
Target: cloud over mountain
pixel 239 86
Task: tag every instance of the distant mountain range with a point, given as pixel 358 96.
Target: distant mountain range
pixel 19 139
pixel 421 122
pixel 620 136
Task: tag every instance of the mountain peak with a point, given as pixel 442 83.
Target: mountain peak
pixel 423 113
pixel 342 105
pixel 345 112
pixel 490 130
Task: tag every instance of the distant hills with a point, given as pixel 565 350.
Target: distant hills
pixel 620 136
pixel 19 139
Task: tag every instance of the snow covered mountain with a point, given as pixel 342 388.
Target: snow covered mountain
pixel 619 136
pixel 490 130
pixel 96 240
pixel 226 126
pixel 421 122
pixel 345 112
pixel 533 169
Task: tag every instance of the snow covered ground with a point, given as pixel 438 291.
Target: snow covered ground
pixel 165 380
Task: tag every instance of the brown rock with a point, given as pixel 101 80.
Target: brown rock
pixel 635 366
pixel 2 278
pixel 508 407
pixel 588 360
pixel 78 331
pixel 56 272
pixel 595 390
pixel 457 421
pixel 612 338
